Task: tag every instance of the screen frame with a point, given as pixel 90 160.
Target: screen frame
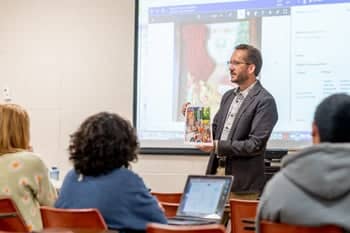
pixel 173 151
pixel 168 150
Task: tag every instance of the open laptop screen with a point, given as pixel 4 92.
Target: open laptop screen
pixel 205 196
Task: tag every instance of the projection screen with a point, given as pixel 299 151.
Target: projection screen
pixel 182 49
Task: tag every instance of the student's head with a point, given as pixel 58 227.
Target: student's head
pixel 14 129
pixel 103 142
pixel 332 120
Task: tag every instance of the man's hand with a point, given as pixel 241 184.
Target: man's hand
pixel 206 148
pixel 184 106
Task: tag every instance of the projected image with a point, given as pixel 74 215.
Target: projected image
pixel 204 52
pixel 183 47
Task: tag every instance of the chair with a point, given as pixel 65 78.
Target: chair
pixel 169 201
pixel 9 231
pixel 170 208
pixel 72 218
pixel 168 197
pixel 272 227
pixel 10 217
pixel 241 210
pixel 162 228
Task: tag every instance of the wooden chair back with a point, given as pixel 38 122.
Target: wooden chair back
pixel 163 228
pixel 10 217
pixel 240 210
pixel 168 197
pixel 72 218
pixel 169 201
pixel 272 227
pixel 170 208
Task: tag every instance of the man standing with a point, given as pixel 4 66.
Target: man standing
pixel 313 186
pixel 242 126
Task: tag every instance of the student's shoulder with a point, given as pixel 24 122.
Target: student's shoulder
pixel 130 176
pixel 28 157
pixel 127 173
pixel 72 174
pixel 25 162
pixel 277 183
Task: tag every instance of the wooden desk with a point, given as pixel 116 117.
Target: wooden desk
pixel 74 230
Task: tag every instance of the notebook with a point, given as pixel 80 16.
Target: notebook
pixel 203 200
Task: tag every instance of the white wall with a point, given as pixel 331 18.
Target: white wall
pixel 169 173
pixel 65 60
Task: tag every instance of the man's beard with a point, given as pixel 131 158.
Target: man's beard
pixel 239 79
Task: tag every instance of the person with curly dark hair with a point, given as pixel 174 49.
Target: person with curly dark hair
pixel 101 151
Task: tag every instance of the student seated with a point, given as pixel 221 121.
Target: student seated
pixel 23 175
pixel 313 186
pixel 101 151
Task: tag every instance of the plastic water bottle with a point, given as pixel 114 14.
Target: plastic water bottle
pixel 54 173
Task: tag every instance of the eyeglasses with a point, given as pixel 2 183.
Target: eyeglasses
pixel 237 63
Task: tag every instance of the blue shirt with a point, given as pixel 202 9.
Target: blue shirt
pixel 120 196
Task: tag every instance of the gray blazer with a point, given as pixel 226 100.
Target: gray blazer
pixel 244 151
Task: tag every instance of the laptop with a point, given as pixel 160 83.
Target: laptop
pixel 203 200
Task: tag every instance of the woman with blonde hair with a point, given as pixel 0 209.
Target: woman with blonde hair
pixel 23 175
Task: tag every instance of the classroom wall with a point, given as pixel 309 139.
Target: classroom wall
pixel 65 60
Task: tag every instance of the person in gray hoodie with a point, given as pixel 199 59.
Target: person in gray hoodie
pixel 313 186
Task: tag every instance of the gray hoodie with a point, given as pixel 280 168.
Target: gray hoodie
pixel 312 188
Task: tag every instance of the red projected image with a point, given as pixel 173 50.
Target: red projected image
pixel 203 52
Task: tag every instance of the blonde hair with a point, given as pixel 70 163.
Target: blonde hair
pixel 14 129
